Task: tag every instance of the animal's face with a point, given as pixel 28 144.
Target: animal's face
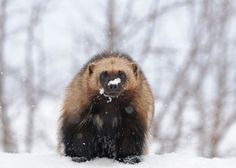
pixel 112 76
pixel 112 82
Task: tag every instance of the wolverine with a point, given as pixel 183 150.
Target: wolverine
pixel 107 111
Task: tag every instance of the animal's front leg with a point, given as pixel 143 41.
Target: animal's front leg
pixel 80 144
pixel 130 146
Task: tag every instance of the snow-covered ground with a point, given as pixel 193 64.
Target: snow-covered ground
pixel 151 161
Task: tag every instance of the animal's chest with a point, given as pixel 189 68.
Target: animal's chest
pixel 110 118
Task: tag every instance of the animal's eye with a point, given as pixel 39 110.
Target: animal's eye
pixel 103 75
pixel 122 75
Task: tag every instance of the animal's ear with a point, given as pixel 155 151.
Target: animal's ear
pixel 91 68
pixel 135 68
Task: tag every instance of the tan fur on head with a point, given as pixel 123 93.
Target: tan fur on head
pixel 88 81
pixel 112 64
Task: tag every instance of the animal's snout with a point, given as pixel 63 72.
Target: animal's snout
pixel 112 82
pixel 114 87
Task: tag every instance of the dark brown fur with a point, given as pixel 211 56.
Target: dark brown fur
pixel 83 92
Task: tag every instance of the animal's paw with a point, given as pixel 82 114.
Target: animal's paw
pixel 130 159
pixel 79 159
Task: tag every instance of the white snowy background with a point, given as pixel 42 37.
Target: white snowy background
pixel 186 48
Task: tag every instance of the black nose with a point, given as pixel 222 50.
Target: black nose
pixel 113 88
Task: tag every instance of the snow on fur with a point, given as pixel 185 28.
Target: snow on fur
pixel 151 161
pixel 101 91
pixel 114 82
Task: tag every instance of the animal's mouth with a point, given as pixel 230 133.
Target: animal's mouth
pixel 109 93
pixel 112 94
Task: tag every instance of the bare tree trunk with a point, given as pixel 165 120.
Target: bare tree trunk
pixel 7 139
pixel 30 90
pixel 111 26
pixel 33 92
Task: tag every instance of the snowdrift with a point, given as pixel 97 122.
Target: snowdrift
pixel 150 161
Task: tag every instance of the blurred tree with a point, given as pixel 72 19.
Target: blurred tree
pixel 8 143
pixel 203 83
pixel 33 92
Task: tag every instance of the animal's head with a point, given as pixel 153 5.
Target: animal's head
pixel 113 76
